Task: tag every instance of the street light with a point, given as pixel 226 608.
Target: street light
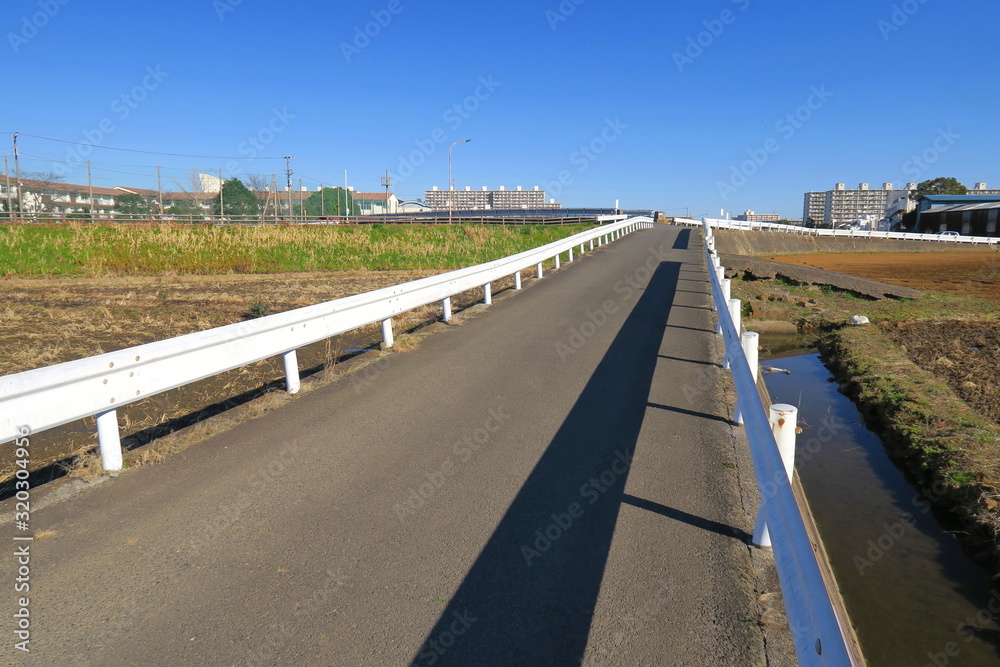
pixel 451 183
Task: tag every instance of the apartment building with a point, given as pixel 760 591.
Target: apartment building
pixel 486 199
pixel 751 216
pixel 841 206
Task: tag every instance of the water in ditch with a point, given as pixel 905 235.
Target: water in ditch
pixel 913 595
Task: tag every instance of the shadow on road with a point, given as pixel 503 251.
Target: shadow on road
pixel 690 519
pixel 530 596
pixel 683 240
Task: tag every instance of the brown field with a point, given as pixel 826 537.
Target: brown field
pixel 972 273
pixel 49 321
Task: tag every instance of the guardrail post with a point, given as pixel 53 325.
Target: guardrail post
pixel 488 293
pixel 109 441
pixel 591 244
pixel 517 280
pixel 569 257
pixel 557 261
pixel 735 311
pixel 581 248
pixel 387 339
pixel 784 420
pixel 538 271
pixel 291 360
pixel 750 340
pixel 446 308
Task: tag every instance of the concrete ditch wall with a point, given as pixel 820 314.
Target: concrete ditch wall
pixel 738 242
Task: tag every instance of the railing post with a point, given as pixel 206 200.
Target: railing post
pixel 557 261
pixel 517 280
pixel 784 420
pixel 591 244
pixel 109 440
pixel 569 257
pixel 446 308
pixel 750 340
pixel 488 293
pixel 735 312
pixel 581 248
pixel 538 271
pixel 291 360
pixel 387 339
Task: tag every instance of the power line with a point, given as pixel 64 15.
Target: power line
pixel 132 150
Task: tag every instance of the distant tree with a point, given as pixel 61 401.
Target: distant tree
pixel 132 205
pixel 261 186
pixel 331 201
pixel 46 177
pixel 186 209
pixel 939 186
pixel 234 199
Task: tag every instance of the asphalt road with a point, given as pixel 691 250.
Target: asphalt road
pixel 555 482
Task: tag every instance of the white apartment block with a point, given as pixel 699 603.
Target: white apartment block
pixel 751 216
pixel 486 199
pixel 841 206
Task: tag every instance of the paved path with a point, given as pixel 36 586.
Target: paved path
pixel 553 483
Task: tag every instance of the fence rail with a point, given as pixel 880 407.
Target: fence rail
pixel 815 626
pixel 96 386
pixel 846 233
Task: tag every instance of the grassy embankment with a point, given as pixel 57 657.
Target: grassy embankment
pixel 917 396
pixel 85 250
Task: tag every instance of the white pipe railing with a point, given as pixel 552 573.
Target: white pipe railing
pixel 816 629
pixel 47 397
pixel 844 233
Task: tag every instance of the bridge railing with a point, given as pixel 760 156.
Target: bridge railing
pixel 816 628
pixel 845 233
pixel 47 397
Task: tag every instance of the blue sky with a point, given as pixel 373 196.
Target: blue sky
pixel 727 104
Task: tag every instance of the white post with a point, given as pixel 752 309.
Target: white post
pixel 517 280
pixel 109 441
pixel 538 272
pixel 734 312
pixel 591 244
pixel 557 261
pixel 784 420
pixel 292 384
pixel 387 339
pixel 446 309
pixel 488 293
pixel 725 299
pixel 569 257
pixel 751 341
pixel 581 248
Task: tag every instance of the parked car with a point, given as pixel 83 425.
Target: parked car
pixel 948 236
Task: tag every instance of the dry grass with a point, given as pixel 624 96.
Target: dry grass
pixel 100 250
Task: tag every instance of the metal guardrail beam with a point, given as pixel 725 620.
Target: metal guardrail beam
pixel 845 233
pixel 48 397
pixel 813 621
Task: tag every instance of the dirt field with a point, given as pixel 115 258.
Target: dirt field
pixel 965 354
pixel 957 272
pixel 49 321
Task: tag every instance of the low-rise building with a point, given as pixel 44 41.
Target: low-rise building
pixel 750 216
pixel 969 215
pixel 486 199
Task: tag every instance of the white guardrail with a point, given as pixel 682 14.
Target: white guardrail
pixel 848 233
pixel 47 397
pixel 816 628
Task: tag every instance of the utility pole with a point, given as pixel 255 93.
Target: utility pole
pixel 347 201
pixel 6 173
pixel 159 191
pixel 302 203
pixel 387 183
pixel 90 191
pixel 17 178
pixel 288 182
pixel 274 186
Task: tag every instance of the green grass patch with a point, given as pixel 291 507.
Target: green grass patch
pixel 100 250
